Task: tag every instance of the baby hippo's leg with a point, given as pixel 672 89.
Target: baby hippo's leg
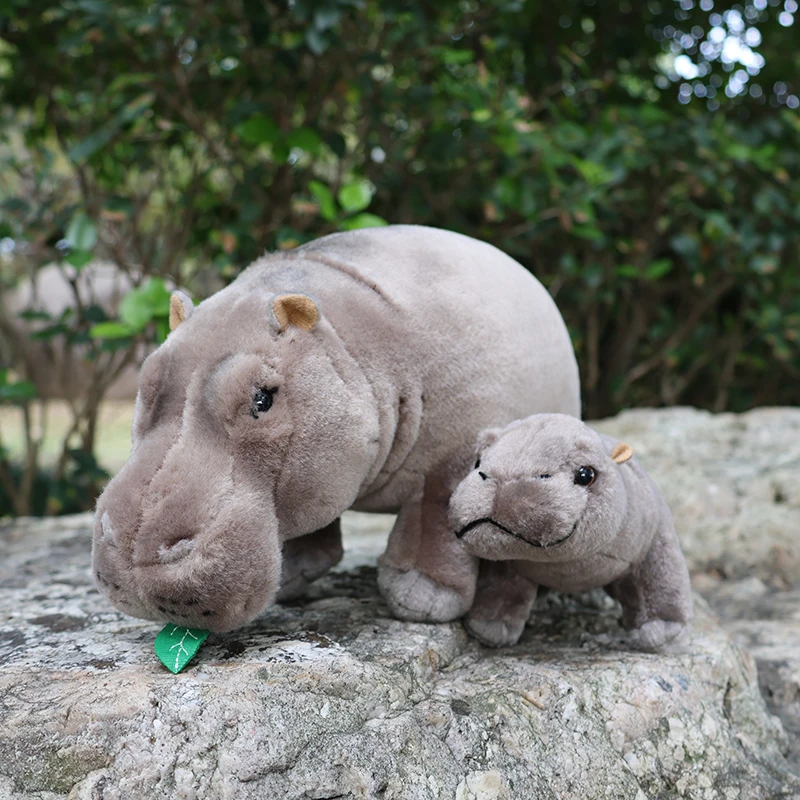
pixel 656 597
pixel 503 603
pixel 425 574
pixel 307 558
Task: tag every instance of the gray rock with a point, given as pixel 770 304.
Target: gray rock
pixel 331 698
pixel 767 622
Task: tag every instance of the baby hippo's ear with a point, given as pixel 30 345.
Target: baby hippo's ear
pixel 180 308
pixel 487 437
pixel 621 453
pixel 295 309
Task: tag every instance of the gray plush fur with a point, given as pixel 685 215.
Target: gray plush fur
pixel 387 351
pixel 521 509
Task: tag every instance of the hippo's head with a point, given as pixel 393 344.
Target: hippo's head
pixel 546 488
pixel 252 426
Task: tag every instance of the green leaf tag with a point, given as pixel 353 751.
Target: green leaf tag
pixel 176 645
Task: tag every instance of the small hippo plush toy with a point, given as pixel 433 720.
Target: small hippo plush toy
pixel 552 503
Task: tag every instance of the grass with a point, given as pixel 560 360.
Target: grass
pixel 113 436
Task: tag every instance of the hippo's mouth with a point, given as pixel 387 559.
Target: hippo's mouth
pixel 488 520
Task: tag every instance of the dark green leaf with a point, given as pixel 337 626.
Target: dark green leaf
pixel 79 259
pixel 50 332
pixel 336 143
pixel 305 139
pixel 19 392
pixel 658 269
pixel 259 129
pixel 33 314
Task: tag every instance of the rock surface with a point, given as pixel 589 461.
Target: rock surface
pixel 732 482
pixel 767 623
pixel 331 698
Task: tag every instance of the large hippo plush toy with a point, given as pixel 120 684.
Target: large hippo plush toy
pixel 552 503
pixel 353 372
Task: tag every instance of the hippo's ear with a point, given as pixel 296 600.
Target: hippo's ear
pixel 621 453
pixel 295 309
pixel 180 308
pixel 487 437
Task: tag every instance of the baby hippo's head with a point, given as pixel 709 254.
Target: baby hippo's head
pixel 545 488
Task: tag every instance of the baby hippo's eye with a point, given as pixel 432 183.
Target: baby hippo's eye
pixel 585 476
pixel 477 463
pixel 262 401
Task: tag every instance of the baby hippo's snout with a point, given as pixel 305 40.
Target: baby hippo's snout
pixel 527 507
pixel 510 517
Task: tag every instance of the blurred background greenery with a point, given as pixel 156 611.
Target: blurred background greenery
pixel 642 159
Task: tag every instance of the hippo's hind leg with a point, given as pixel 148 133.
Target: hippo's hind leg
pixel 307 558
pixel 655 595
pixel 503 603
pixel 425 574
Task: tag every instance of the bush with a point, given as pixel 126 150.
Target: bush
pixel 641 159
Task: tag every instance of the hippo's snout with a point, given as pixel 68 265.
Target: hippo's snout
pixel 533 540
pixel 513 516
pixel 181 548
pixel 526 508
pixel 217 576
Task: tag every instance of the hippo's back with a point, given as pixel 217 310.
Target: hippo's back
pixel 456 336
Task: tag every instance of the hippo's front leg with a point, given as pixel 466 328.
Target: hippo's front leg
pixel 656 595
pixel 425 574
pixel 503 603
pixel 307 558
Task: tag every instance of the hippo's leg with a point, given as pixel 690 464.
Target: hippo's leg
pixel 307 558
pixel 425 574
pixel 655 595
pixel 503 603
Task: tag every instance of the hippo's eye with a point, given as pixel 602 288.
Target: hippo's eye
pixel 585 476
pixel 262 401
pixel 477 463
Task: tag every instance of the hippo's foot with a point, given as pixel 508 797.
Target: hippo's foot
pixel 307 558
pixel 414 596
pixel 503 603
pixel 656 633
pixel 495 632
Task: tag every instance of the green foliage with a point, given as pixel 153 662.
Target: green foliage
pixel 81 233
pixel 149 303
pixel 52 493
pixel 14 391
pixel 661 211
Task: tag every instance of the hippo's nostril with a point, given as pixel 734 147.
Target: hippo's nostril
pixel 483 475
pixel 109 534
pixel 168 553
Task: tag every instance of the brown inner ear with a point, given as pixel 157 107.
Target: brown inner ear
pixel 177 314
pixel 621 453
pixel 295 309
